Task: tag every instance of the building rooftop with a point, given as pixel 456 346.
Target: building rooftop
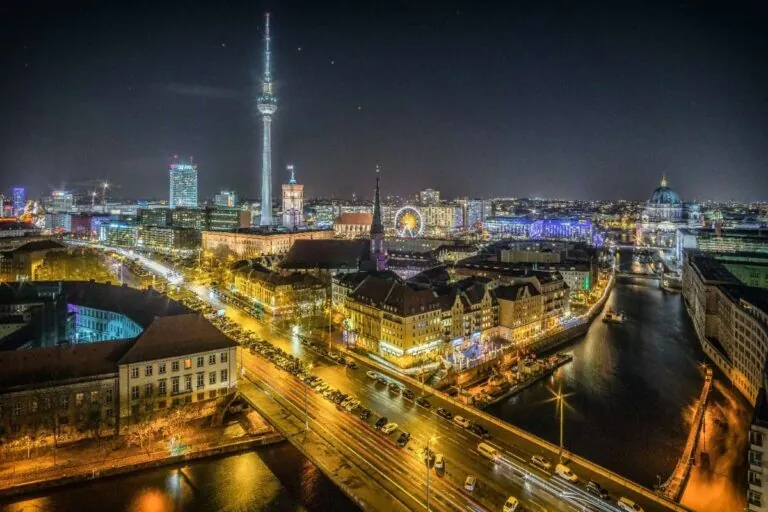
pixel 256 272
pixel 176 336
pixel 35 245
pixel 711 269
pixel 327 254
pixel 515 291
pixel 356 218
pixel 74 362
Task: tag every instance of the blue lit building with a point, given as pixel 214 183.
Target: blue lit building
pixel 183 186
pixel 540 229
pixel 19 200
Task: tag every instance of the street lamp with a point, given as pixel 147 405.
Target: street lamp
pixel 560 397
pixel 306 404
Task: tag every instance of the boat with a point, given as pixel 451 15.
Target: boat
pixel 614 317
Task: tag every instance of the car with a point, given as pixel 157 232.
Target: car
pixel 597 489
pixel 470 482
pixel 407 393
pixel 322 387
pixel 423 402
pixel 382 380
pixel 565 473
pixel 462 421
pixel 346 401
pixel 340 398
pixel 371 375
pixel 389 428
pixel 511 504
pixel 365 414
pixel 541 462
pixel 381 422
pixel 403 439
pixel 352 405
pixel 444 413
pixel 439 461
pixel 394 388
pixel 352 365
pixel 628 505
pixel 480 431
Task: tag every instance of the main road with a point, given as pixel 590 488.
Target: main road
pixel 402 471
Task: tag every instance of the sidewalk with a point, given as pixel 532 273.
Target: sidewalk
pixel 91 459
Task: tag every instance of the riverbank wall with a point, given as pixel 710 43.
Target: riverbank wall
pixel 117 466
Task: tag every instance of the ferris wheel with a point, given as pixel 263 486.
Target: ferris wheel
pixel 408 222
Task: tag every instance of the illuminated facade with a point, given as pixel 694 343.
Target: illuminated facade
pixel 183 185
pixel 521 309
pixel 663 215
pixel 267 105
pixel 118 234
pixel 540 229
pixel 225 198
pixel 429 196
pixel 293 202
pixel 19 200
pixel 168 240
pixel 353 225
pixel 277 294
pixel 246 244
pixel 61 201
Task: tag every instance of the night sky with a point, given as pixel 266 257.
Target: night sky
pixel 574 99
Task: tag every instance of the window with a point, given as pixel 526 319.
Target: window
pixel 161 388
pixel 135 372
pixel 109 413
pixel 755 498
pixel 147 390
pixel 175 402
pixel 175 385
pixel 161 368
pixel 755 438
pixel 107 396
pixel 200 380
pixel 200 361
pixel 201 396
pixel 79 399
pixel 148 370
pixel 212 378
pixel 187 399
pixel 135 392
pixel 223 357
pixel 212 393
pixel 212 359
pixel 755 458
pixel 754 478
pixel 187 383
pixel 224 376
pixel 175 366
pixel 64 402
pixel 94 397
pixel 187 364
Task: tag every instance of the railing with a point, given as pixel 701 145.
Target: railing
pixel 674 484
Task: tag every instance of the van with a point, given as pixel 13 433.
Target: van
pixel 488 451
pixel 628 505
pixel 565 473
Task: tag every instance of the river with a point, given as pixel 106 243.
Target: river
pixel 275 479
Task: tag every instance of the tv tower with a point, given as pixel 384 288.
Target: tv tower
pixel 267 105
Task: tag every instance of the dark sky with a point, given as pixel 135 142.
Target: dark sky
pixel 572 99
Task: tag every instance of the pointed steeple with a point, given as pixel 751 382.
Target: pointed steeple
pixel 376 226
pixel 292 181
pixel 664 180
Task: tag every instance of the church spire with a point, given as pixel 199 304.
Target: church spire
pixel 664 180
pixel 376 226
pixel 378 252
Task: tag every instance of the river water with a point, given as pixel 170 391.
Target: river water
pixel 275 479
pixel 631 390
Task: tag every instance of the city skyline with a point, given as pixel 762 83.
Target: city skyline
pixel 604 104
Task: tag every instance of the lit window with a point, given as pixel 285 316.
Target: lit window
pixel 187 364
pixel 79 399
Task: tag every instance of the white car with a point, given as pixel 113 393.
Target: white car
pixel 628 505
pixel 539 461
pixel 469 483
pixel 462 421
pixel 439 461
pixel 389 428
pixel 511 504
pixel 351 406
pixel 370 374
pixel 565 473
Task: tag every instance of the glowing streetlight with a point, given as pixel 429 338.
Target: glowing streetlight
pixel 559 398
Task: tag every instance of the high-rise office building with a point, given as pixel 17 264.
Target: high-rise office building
pixel 225 198
pixel 19 200
pixel 429 196
pixel 183 185
pixel 267 105
pixel 293 202
pixel 61 201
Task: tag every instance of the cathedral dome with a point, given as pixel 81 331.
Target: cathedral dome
pixel 664 195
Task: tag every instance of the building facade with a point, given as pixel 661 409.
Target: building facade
pixel 183 185
pixel 352 225
pixel 278 294
pixel 248 244
pixel 293 202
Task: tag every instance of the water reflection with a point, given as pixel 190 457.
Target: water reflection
pixel 274 479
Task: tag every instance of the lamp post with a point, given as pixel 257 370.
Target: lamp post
pixel 560 399
pixel 306 403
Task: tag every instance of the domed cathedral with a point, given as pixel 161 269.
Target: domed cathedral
pixel 663 215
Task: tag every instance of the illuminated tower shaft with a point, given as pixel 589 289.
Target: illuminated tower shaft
pixel 267 105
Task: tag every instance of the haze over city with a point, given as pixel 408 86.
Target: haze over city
pixel 486 98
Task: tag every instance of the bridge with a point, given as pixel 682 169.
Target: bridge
pixel 637 275
pixel 369 466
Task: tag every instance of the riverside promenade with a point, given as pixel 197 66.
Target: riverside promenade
pixel 91 459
